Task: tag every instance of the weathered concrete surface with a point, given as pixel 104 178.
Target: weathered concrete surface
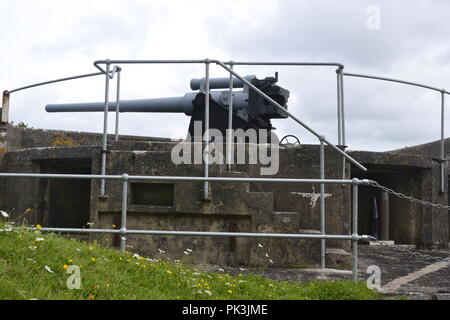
pixel 25 138
pixel 430 149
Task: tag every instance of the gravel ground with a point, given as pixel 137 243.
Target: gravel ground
pixel 393 265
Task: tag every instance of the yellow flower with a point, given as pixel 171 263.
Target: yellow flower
pixel 65 267
pixel 114 226
pixel 29 210
pixel 230 291
pixel 91 248
pixel 38 227
pixel 108 285
pixel 70 261
pixel 91 296
pixel 169 272
pixel 93 259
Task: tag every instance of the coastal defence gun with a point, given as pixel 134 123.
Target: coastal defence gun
pixel 250 110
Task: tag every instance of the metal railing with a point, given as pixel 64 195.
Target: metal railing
pixel 228 66
pixel 109 74
pixel 442 92
pixel 354 237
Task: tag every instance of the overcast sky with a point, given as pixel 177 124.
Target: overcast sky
pixel 43 40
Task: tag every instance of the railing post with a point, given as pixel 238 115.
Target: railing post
pixel 442 182
pixel 339 123
pixel 341 104
pixel 206 135
pixel 5 107
pixel 355 230
pixel 123 218
pixel 105 128
pixel 341 76
pixel 230 122
pixel 116 137
pixel 323 248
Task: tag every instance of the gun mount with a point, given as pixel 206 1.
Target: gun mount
pixel 250 110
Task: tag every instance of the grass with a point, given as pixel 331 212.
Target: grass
pixel 27 257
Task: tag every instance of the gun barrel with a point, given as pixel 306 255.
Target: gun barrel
pixel 219 83
pixel 174 105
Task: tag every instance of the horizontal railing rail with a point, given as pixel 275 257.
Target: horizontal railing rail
pixel 395 80
pixel 175 178
pixel 87 75
pixel 211 234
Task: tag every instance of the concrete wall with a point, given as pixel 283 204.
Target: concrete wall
pixel 235 207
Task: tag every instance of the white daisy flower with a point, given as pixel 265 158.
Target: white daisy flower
pixel 209 293
pixel 4 214
pixel 48 269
